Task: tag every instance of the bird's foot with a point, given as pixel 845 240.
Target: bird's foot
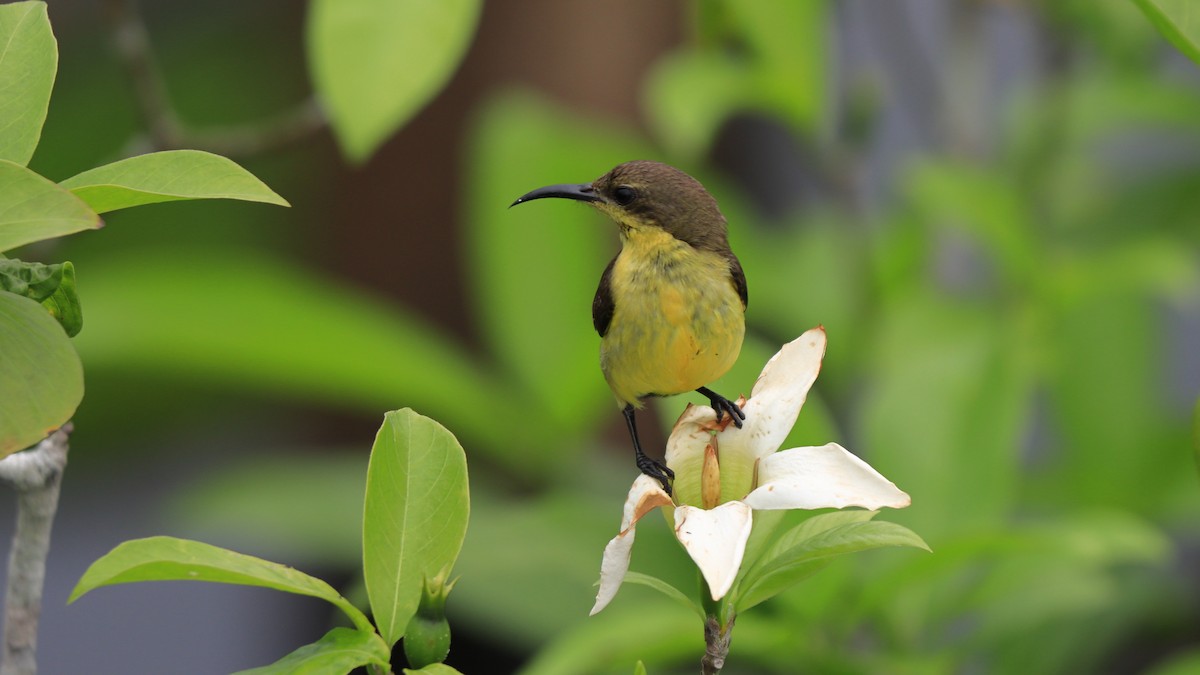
pixel 724 406
pixel 656 470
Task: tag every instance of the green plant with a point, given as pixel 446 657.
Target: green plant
pixel 414 521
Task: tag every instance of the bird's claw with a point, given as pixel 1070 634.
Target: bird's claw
pixel 724 406
pixel 656 470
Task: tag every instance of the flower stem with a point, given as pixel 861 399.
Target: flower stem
pixel 716 645
pixel 718 630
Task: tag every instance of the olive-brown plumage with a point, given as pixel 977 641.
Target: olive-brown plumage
pixel 670 306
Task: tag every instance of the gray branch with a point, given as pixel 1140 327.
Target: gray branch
pixel 36 474
pixel 164 129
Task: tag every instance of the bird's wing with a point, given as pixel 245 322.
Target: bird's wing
pixel 739 280
pixel 602 304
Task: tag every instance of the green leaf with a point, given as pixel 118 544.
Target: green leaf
pixel 338 652
pixel 172 559
pixel 790 49
pixel 230 319
pixel 657 632
pixel 28 64
pixel 950 397
pixel 414 514
pixel 375 63
pixel 33 208
pixel 664 588
pixel 41 379
pixel 51 285
pixel 168 176
pixel 1178 21
pixel 690 94
pixel 435 669
pixel 808 554
pixel 64 305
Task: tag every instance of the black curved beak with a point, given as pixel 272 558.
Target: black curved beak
pixel 582 193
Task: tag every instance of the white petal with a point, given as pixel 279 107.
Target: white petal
pixel 780 392
pixel 685 451
pixel 645 496
pixel 716 541
pixel 822 477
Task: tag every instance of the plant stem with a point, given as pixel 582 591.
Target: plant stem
pixel 36 474
pixel 716 644
pixel 718 630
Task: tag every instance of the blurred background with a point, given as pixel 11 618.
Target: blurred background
pixel 992 206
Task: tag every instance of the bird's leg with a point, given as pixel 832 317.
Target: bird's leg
pixel 651 467
pixel 723 405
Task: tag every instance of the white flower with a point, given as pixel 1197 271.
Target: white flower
pixel 723 473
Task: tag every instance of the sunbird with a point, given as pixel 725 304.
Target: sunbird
pixel 670 308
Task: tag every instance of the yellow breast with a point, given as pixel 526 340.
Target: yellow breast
pixel 677 322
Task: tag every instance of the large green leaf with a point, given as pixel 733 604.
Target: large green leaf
pixel 28 63
pixel 807 548
pixel 258 324
pixel 948 401
pixel 1178 21
pixel 377 62
pixel 52 285
pixel 171 559
pixel 535 267
pixel 41 379
pixel 414 515
pixel 168 176
pixel 33 208
pixel 340 651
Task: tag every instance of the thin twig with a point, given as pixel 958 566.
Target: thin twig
pixel 36 474
pixel 164 129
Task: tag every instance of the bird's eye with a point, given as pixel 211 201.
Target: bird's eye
pixel 624 195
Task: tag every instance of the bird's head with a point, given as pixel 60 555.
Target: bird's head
pixel 644 194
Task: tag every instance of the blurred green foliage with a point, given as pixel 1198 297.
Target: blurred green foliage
pixel 1001 347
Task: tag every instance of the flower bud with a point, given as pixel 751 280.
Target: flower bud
pixel 427 638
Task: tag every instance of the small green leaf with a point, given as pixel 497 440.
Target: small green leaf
pixel 664 588
pixel 414 515
pixel 809 554
pixel 41 378
pixel 51 285
pixel 32 280
pixel 1178 21
pixel 377 62
pixel 639 668
pixel 435 669
pixel 168 176
pixel 64 305
pixel 172 559
pixel 340 651
pixel 28 64
pixel 33 208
